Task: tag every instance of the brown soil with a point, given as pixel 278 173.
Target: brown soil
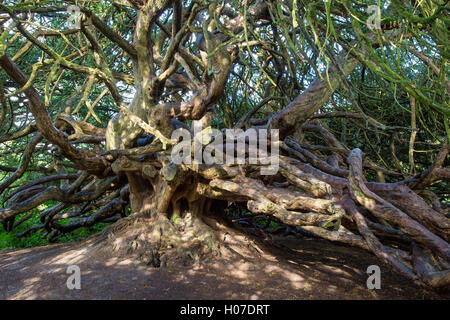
pixel 247 269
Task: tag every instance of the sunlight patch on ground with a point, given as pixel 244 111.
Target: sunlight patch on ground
pixel 70 257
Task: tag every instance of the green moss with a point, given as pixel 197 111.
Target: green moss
pixel 274 224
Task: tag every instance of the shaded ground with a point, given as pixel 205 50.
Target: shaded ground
pixel 293 269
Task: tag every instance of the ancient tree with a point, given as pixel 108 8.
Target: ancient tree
pixel 91 92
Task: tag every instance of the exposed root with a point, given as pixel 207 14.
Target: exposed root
pixel 160 242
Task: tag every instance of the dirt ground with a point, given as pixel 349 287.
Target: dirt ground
pixel 292 269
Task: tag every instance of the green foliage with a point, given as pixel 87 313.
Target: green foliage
pixel 11 240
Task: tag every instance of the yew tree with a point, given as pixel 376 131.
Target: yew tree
pixel 91 92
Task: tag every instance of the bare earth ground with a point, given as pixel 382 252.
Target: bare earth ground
pixel 293 269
